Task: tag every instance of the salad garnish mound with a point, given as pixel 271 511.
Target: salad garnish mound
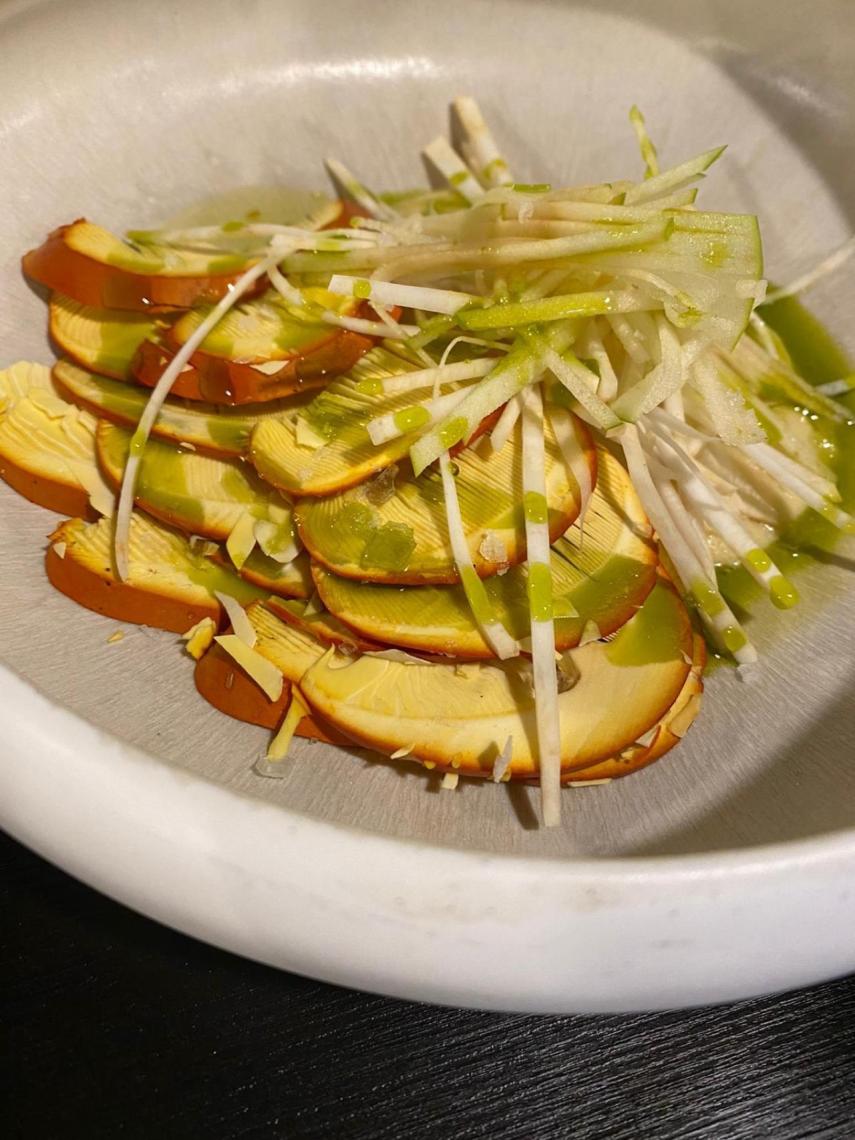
pixel 452 474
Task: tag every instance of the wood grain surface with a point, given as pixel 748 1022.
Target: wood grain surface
pixel 113 1026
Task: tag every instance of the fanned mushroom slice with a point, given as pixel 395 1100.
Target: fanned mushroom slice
pixel 47 445
pixel 197 493
pixel 326 447
pixel 90 265
pixel 168 586
pixel 236 383
pixel 398 533
pixel 321 625
pixel 262 350
pixel 601 574
pixel 224 685
pixel 102 340
pixel 461 720
pixel 217 431
pixel 664 736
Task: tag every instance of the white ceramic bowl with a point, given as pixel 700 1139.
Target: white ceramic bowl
pixel 724 870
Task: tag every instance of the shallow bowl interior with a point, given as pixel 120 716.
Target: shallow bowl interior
pixel 128 114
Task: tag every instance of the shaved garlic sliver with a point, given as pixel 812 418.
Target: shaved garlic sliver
pixel 241 625
pixel 502 763
pixel 158 396
pixel 267 535
pixel 540 605
pixel 441 155
pixel 242 540
pixel 492 630
pixel 445 301
pixel 478 146
pixel 280 745
pixel 265 674
pixel 198 637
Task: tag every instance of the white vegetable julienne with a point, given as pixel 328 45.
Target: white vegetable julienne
pixel 713 609
pixel 293 296
pixel 441 375
pixel 573 455
pixel 709 504
pixel 645 143
pixel 539 584
pixel 446 301
pixel 828 265
pixel 581 383
pixel 492 630
pixel 509 376
pixel 391 425
pixel 784 470
pixel 506 423
pixel 661 382
pixel 350 187
pixel 674 179
pixel 685 522
pixel 478 145
pixel 161 391
pixel 441 155
pixel 735 422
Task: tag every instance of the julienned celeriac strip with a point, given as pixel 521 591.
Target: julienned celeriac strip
pixel 509 322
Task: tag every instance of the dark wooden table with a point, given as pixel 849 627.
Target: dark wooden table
pixel 114 1026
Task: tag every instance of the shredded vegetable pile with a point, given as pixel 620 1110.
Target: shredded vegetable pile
pixel 451 464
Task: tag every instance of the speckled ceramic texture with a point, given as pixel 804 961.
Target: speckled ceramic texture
pixel 127 113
